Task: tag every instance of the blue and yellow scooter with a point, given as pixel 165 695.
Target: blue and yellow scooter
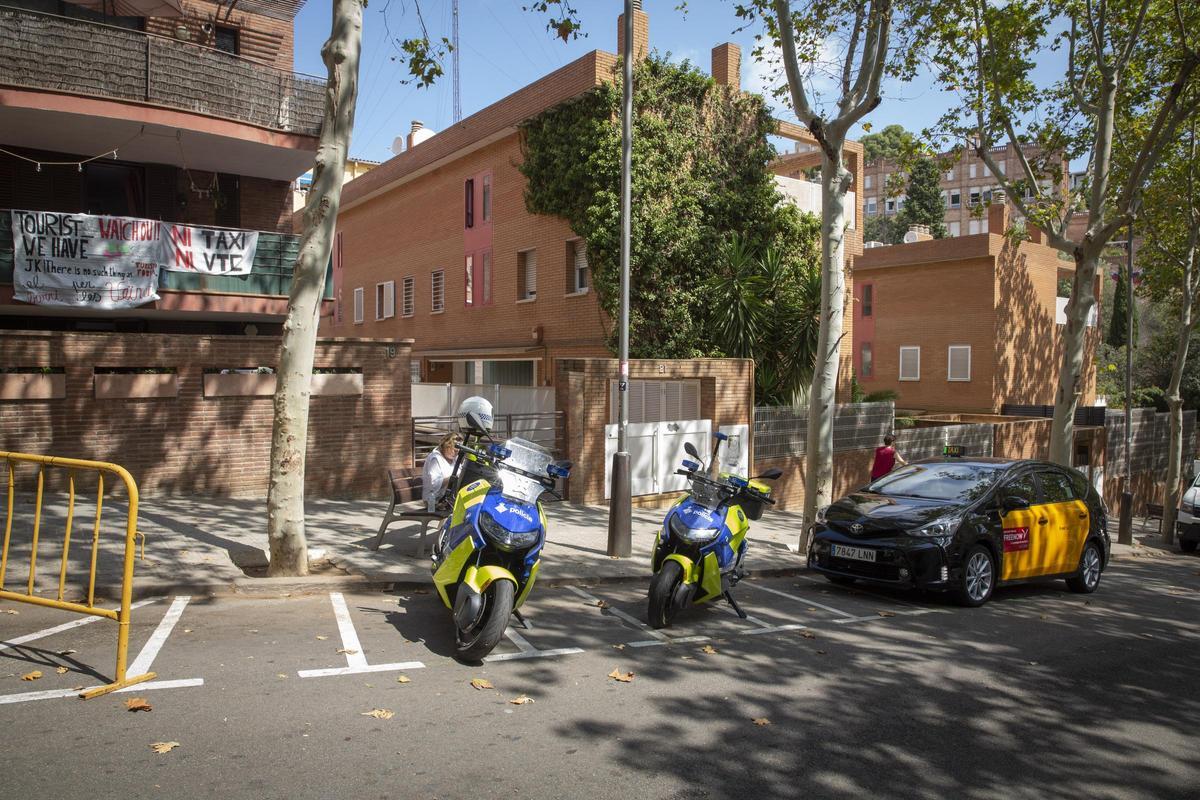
pixel 487 553
pixel 699 551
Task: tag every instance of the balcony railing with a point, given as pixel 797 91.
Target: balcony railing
pixel 271 273
pixel 42 51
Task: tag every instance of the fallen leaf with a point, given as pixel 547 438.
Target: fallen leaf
pixel 885 613
pixel 1042 616
pixel 378 713
pixel 67 652
pixel 280 675
pixel 623 677
pixel 12 611
pixel 812 608
pixel 62 670
pixel 403 679
pixel 618 647
pixel 138 704
pixel 346 651
pixel 164 747
pixel 708 649
pixel 688 658
pixel 761 721
pixel 32 676
pixel 187 630
pixel 78 688
pixel 322 638
pixel 600 604
pixel 808 634
pixel 480 683
pixel 521 700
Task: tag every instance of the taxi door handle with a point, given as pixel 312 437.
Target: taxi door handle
pixel 1083 515
pixel 1042 521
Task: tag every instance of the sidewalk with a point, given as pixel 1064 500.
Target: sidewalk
pixel 204 546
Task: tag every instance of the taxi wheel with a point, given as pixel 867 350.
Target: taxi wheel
pixel 1087 578
pixel 978 577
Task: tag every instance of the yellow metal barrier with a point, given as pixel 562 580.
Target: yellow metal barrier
pixel 121 614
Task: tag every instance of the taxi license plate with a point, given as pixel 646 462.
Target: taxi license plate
pixel 856 553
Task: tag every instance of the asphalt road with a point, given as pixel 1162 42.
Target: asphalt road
pixel 1042 693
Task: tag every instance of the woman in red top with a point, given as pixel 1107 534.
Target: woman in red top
pixel 886 459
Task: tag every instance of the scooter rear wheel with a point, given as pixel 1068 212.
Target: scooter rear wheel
pixel 476 643
pixel 661 610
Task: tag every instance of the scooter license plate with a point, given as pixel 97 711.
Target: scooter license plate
pixel 856 553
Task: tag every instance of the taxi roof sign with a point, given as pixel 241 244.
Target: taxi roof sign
pixel 952 450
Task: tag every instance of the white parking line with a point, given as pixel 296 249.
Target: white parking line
pixel 673 640
pixel 875 617
pixel 858 590
pixel 798 599
pixel 356 660
pixel 66 626
pixel 621 615
pixel 520 641
pixel 562 651
pixel 156 640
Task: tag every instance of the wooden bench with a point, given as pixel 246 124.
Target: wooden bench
pixel 1154 511
pixel 406 488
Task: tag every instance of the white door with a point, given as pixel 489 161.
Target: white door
pixel 655 452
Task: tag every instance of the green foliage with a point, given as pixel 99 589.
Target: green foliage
pixel 881 228
pixel 699 174
pixel 924 205
pixel 1118 325
pixel 893 143
pixel 882 396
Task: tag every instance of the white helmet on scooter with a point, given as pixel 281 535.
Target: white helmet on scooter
pixel 478 406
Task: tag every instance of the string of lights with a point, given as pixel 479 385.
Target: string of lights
pixel 78 164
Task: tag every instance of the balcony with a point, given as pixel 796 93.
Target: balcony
pixel 270 275
pixel 57 54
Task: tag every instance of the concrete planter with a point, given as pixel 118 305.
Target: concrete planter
pixel 32 386
pixel 254 384
pixel 120 386
pixel 335 384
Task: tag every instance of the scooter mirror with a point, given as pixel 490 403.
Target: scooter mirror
pixel 720 437
pixel 691 450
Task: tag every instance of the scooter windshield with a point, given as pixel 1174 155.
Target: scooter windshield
pixel 527 456
pixel 708 495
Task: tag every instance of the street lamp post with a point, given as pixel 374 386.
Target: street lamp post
pixel 620 539
pixel 1125 531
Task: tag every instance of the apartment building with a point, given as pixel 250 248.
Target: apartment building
pixel 436 244
pixel 189 115
pixel 966 324
pixel 967 187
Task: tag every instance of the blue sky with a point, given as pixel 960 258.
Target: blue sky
pixel 504 48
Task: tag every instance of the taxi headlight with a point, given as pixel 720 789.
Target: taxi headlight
pixel 821 515
pixel 944 527
pixel 691 535
pixel 503 538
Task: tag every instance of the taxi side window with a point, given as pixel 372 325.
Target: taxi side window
pixel 1079 483
pixel 1057 486
pixel 1024 488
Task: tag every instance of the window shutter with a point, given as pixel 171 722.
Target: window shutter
pixel 469 197
pixel 358 306
pixel 438 291
pixel 487 277
pixel 528 274
pixel 469 293
pixel 910 363
pixel 689 406
pixel 389 299
pixel 407 301
pixel 959 368
pixel 580 281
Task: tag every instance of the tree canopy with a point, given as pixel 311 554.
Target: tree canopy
pixel 893 143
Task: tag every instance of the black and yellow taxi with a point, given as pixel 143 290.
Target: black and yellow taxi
pixel 966 525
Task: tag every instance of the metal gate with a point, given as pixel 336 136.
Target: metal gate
pixel 655 450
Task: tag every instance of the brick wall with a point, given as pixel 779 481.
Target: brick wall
pixel 851 470
pixel 582 393
pixel 260 38
pixel 210 446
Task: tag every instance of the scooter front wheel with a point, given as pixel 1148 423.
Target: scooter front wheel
pixel 476 643
pixel 662 593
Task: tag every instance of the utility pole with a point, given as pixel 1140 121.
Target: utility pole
pixel 456 82
pixel 620 536
pixel 1125 531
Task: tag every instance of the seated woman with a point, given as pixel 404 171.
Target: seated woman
pixel 439 468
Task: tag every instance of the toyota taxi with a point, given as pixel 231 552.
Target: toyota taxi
pixel 966 525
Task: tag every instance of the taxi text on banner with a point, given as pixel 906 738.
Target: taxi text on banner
pixel 85 260
pixel 212 251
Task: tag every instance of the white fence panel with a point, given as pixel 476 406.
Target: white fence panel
pixel 443 399
pixel 655 451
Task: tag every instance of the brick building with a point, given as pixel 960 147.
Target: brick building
pixel 967 186
pixel 436 244
pixel 964 324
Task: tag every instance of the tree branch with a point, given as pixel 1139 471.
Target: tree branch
pixel 1077 87
pixel 851 49
pixel 804 110
pixel 1133 37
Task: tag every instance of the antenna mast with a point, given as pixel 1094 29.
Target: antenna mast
pixel 457 83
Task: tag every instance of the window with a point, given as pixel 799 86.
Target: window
pixel 987 195
pixel 1079 481
pixel 958 367
pixel 116 189
pixel 469 196
pixel 408 302
pixel 577 267
pixel 469 294
pixel 487 198
pixel 868 297
pixel 945 199
pixel 438 291
pixel 910 363
pixel 867 182
pixel 1024 488
pixel 226 39
pixel 950 174
pixel 977 226
pixel 872 206
pixel 954 228
pixel 1056 487
pixel 486 258
pixel 527 275
pixel 868 366
pixel 1003 167
pixel 890 205
pixel 900 201
pixel 358 306
pixel 971 170
pixel 975 194
pixel 385 300
pixel 956 198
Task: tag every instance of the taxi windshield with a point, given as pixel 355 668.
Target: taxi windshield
pixel 939 481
